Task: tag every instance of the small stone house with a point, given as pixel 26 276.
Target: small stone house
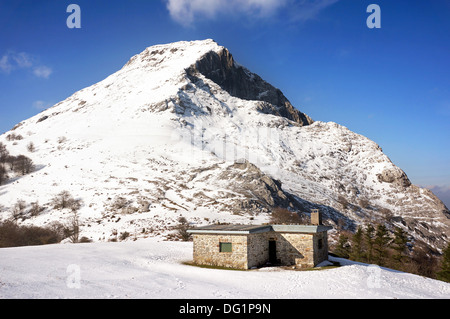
pixel 248 246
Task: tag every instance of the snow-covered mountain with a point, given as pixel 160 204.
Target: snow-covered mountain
pixel 184 130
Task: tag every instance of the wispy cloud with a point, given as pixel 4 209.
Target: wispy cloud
pixel 41 105
pixel 186 12
pixel 42 71
pixel 5 64
pixel 304 10
pixel 22 59
pixel 12 61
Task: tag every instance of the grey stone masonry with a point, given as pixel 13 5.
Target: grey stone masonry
pixel 244 247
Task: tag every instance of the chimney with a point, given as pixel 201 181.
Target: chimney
pixel 316 217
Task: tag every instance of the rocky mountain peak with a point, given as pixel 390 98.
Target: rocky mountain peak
pixel 220 67
pixel 216 63
pixel 178 54
pixel 162 138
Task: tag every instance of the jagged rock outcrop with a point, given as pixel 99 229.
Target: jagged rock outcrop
pixel 238 81
pixel 259 190
pixel 395 176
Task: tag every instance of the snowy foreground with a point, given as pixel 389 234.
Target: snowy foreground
pixel 154 269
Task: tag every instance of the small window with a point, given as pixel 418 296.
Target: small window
pixel 225 247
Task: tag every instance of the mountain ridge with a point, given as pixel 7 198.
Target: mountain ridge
pixel 184 130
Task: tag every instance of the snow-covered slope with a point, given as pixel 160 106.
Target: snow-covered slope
pixel 183 130
pixel 152 269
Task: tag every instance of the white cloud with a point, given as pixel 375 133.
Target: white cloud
pixel 23 60
pixel 11 61
pixel 42 71
pixel 304 10
pixel 5 65
pixel 41 105
pixel 261 7
pixel 186 11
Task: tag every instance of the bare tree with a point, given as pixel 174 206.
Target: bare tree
pixel 13 137
pixel 23 165
pixel 30 147
pixel 36 209
pixel 3 159
pixel 182 228
pixel 72 228
pixel 11 160
pixel 65 200
pixel 3 174
pixel 285 216
pixel 3 153
pixel 18 209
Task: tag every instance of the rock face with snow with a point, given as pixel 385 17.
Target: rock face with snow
pixel 220 68
pixel 183 130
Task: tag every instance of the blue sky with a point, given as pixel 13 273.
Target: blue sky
pixel 390 84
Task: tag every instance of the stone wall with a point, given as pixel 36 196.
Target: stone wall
pixel 295 249
pixel 303 250
pixel 206 250
pixel 258 249
pixel 320 247
pixel 252 250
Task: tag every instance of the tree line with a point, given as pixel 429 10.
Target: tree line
pixel 12 234
pixel 376 245
pixel 19 164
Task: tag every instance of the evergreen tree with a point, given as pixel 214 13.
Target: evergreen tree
pixel 380 244
pixel 357 245
pixel 444 273
pixel 400 241
pixel 342 249
pixel 369 238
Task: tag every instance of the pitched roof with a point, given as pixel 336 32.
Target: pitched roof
pixel 251 229
pixel 230 229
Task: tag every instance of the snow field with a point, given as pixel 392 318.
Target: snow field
pixel 154 269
